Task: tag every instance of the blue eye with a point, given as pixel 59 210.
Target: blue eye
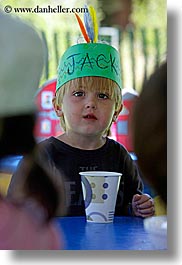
pixel 103 96
pixel 78 93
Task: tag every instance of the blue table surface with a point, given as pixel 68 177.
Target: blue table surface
pixel 125 233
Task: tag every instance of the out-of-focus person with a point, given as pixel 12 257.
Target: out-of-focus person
pixel 25 223
pixel 150 132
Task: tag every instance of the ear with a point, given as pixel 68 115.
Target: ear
pixel 57 108
pixel 116 113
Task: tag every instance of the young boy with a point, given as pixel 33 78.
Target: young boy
pixel 88 99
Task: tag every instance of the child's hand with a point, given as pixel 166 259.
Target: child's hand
pixel 143 205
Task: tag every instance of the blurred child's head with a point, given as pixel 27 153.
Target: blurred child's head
pixel 45 187
pixel 150 130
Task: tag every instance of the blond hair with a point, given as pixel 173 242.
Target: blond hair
pixel 91 83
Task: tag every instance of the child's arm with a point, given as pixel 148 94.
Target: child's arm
pixel 132 184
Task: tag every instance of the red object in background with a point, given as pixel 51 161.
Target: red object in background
pixel 47 124
pixel 122 126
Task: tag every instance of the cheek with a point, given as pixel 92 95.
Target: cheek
pixel 70 111
pixel 107 114
pixel 108 110
pixel 67 107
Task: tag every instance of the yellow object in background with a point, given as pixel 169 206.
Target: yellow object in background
pixel 4 182
pixel 160 208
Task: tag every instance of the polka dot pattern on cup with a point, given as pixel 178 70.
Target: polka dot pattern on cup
pixel 104 196
pixel 105 185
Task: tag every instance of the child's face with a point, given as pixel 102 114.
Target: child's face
pixel 87 112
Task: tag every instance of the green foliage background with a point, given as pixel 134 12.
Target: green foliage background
pixel 148 14
pixel 151 14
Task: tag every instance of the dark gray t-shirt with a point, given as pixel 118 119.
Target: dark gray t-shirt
pixel 69 161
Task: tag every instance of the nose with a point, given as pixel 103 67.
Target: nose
pixel 91 103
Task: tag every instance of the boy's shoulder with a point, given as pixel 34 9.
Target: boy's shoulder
pixel 47 145
pixel 46 141
pixel 118 150
pixel 114 144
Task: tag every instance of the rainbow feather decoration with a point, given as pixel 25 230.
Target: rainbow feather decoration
pixel 95 23
pixel 90 29
pixel 89 24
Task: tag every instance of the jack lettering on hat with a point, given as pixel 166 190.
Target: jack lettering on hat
pixel 74 63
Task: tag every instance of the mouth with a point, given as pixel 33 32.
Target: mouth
pixel 90 117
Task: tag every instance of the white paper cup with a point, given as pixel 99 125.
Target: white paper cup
pixel 100 189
